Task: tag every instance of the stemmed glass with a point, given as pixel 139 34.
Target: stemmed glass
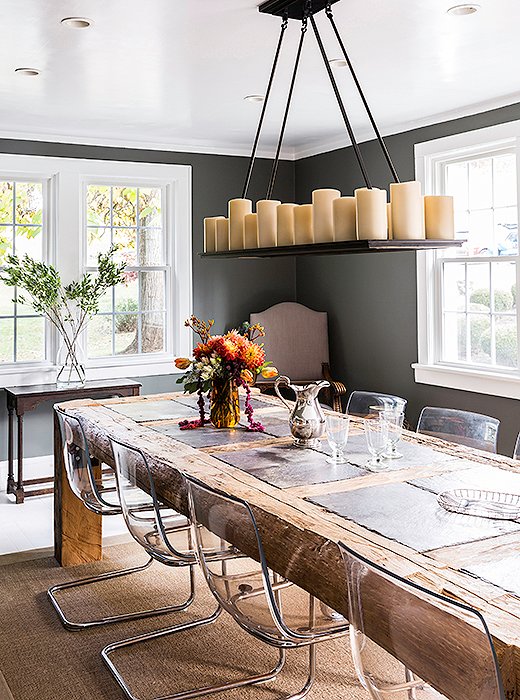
pixel 394 418
pixel 376 433
pixel 337 436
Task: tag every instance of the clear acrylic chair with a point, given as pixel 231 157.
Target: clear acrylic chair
pixel 360 402
pixel 102 500
pixel 263 603
pixel 162 532
pixel 462 427
pixel 416 634
pixel 516 452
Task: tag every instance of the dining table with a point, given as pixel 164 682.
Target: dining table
pixel 304 506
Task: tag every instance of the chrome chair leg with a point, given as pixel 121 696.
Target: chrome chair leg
pixel 186 694
pixel 310 678
pixel 74 626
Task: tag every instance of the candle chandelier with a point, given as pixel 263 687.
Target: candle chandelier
pixel 331 217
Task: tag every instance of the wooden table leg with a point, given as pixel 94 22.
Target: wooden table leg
pixel 19 482
pixel 10 451
pixel 77 530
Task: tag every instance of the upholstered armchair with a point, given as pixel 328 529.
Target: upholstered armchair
pixel 297 343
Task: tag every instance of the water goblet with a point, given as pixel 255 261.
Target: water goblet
pixel 394 418
pixel 376 433
pixel 337 436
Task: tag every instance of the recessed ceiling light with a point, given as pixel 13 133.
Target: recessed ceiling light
pixel 466 9
pixel 77 22
pixel 27 71
pixel 338 62
pixel 254 98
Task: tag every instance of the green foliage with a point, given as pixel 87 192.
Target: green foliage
pixel 127 323
pixel 504 301
pixel 506 345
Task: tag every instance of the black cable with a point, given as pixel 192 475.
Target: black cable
pixel 285 22
pixel 393 170
pixel 276 161
pixel 344 114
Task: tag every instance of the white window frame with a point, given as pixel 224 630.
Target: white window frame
pixel 430 369
pixel 65 238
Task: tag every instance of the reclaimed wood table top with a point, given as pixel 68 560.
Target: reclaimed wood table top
pixel 304 505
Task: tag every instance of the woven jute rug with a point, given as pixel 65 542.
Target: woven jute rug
pixel 41 660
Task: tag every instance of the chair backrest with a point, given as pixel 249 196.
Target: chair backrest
pixel 516 453
pixel 144 517
pixel 78 464
pixel 245 587
pixel 360 402
pixel 296 339
pixel 443 642
pixel 462 427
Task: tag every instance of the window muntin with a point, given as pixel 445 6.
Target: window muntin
pixel 133 316
pixel 478 298
pixel 22 331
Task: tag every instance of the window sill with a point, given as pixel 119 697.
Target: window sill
pixel 490 383
pixel 46 374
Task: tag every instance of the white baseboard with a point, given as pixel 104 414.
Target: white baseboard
pixel 29 462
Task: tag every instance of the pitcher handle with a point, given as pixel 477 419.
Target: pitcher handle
pixel 280 380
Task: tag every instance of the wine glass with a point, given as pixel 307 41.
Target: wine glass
pixel 337 436
pixel 376 433
pixel 394 418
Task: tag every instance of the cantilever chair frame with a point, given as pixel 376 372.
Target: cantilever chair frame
pixel 105 508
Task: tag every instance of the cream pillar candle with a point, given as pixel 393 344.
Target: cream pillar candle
pixel 251 231
pixel 303 232
pixel 389 220
pixel 439 217
pixel 266 209
pixel 222 234
pixel 238 208
pixel 407 210
pixel 285 224
pixel 344 216
pixel 370 214
pixel 323 222
pixel 210 232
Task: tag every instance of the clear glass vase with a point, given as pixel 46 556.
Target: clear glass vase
pixel 70 361
pixel 224 404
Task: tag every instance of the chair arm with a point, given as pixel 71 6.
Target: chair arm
pixel 336 389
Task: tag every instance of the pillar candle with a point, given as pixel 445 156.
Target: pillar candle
pixel 222 234
pixel 238 208
pixel 266 209
pixel 370 214
pixel 303 232
pixel 344 214
pixel 407 210
pixel 389 220
pixel 210 232
pixel 285 224
pixel 439 217
pixel 323 222
pixel 251 231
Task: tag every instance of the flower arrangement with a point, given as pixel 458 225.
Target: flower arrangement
pixel 220 365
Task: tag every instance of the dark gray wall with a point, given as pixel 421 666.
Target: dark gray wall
pixel 226 290
pixel 371 298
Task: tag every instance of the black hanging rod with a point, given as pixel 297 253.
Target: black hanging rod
pixel 295 8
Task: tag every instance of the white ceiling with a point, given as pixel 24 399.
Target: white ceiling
pixel 173 73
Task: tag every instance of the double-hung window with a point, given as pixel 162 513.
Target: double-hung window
pixel 66 212
pixel 468 297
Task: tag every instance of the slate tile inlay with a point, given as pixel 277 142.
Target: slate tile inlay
pixel 480 476
pixel 141 411
pixel 411 516
pixel 208 436
pixel 288 466
pixel 504 572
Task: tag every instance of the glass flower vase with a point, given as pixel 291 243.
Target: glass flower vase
pixel 70 362
pixel 224 404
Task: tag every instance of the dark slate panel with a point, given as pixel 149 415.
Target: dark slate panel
pixel 154 410
pixel 503 572
pixel 413 455
pixel 208 436
pixel 191 400
pixel 273 424
pixel 287 465
pixel 481 476
pixel 411 516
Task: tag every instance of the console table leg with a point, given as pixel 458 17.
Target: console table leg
pixel 19 492
pixel 10 451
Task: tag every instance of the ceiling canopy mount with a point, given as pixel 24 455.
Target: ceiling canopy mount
pixel 294 9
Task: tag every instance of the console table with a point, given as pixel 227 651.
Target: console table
pixel 22 399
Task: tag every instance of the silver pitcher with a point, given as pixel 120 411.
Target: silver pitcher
pixel 307 420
